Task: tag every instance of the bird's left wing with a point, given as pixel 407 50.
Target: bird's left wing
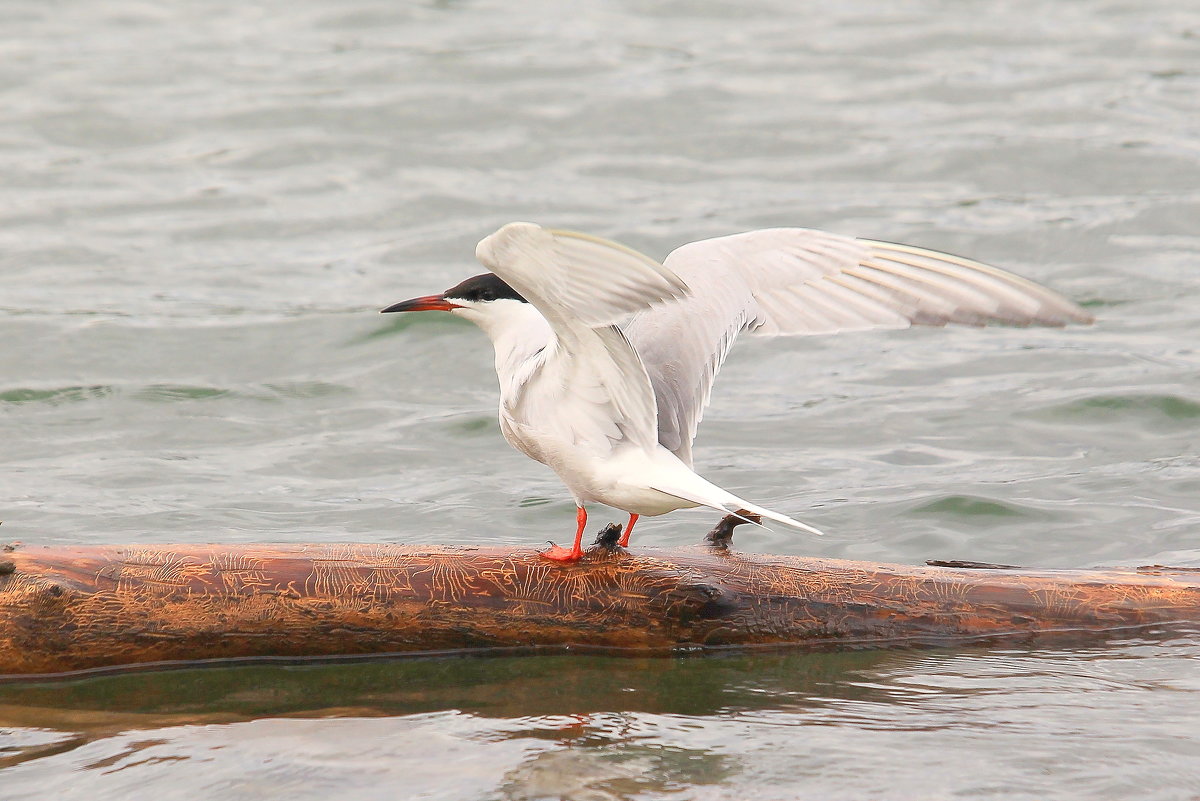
pixel 590 388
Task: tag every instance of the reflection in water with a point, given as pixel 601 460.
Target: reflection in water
pixel 583 703
pixel 603 728
pixel 608 756
pixel 604 716
pixel 20 745
pixel 623 771
pixel 503 687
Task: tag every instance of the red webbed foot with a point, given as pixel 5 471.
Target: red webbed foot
pixel 557 553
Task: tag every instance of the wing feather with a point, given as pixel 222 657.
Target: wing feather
pixel 576 278
pixel 797 281
pixel 589 388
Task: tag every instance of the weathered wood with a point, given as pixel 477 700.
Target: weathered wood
pixel 74 608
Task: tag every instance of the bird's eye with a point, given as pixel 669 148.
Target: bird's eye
pixel 487 295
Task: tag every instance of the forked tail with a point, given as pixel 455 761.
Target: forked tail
pixel 767 513
pixel 731 504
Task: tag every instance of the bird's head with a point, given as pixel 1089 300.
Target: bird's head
pixel 484 299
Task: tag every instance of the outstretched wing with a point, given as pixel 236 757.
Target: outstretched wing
pixel 800 281
pixel 589 389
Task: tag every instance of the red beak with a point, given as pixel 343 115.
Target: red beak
pixel 427 303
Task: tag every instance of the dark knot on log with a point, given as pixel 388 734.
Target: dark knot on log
pixel 722 534
pixel 609 536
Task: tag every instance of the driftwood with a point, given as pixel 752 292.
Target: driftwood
pixel 79 608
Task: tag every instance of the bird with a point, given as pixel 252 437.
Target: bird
pixel 606 357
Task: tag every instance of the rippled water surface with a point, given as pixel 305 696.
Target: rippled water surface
pixel 203 205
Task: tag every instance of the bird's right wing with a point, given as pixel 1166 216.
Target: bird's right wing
pixel 590 387
pixel 800 281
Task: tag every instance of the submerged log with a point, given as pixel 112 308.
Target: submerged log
pixel 78 608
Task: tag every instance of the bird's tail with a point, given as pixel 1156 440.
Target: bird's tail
pixel 767 513
pixel 731 504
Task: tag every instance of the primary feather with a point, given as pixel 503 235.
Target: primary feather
pixel 798 281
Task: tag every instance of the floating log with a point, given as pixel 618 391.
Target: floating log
pixel 91 607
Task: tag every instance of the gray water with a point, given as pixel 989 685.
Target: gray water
pixel 203 205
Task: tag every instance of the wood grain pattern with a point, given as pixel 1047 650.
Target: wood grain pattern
pixel 73 608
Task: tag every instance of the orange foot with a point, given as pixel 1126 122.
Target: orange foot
pixel 557 553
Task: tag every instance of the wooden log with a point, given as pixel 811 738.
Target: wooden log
pixel 87 607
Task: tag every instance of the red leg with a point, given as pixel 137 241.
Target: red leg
pixel 558 554
pixel 624 541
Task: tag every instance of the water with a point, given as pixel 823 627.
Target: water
pixel 202 207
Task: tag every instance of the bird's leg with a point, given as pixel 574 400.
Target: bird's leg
pixel 624 541
pixel 556 553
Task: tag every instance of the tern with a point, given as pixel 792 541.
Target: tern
pixel 606 358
